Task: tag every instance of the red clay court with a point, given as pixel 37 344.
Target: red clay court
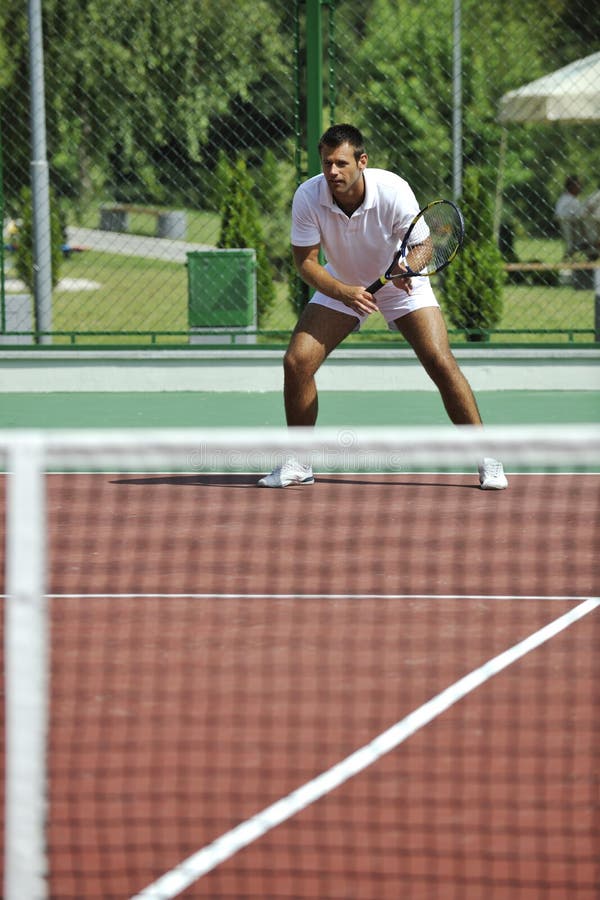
pixel 215 648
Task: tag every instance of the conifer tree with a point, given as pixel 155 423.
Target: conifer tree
pixel 241 227
pixel 472 284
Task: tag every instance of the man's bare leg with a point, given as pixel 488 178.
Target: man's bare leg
pixel 318 332
pixel 426 332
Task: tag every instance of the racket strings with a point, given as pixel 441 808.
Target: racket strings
pixel 433 240
pixel 437 237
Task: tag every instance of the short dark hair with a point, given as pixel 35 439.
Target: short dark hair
pixel 337 135
pixel 572 181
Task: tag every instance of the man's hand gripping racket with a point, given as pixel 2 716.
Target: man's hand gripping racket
pixel 432 241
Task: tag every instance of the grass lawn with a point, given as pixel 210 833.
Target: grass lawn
pixel 111 293
pixel 136 294
pixel 133 294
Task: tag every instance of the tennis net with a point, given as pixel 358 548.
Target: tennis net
pixel 382 685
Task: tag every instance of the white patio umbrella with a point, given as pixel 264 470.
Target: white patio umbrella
pixel 571 94
pixel 568 95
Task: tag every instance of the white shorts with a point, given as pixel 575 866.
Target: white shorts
pixel 392 302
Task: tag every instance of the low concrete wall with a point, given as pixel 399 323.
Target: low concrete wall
pixel 261 370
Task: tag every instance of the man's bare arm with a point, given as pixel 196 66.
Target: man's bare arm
pixel 355 297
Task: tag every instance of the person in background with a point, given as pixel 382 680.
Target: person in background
pixel 591 216
pixel 569 213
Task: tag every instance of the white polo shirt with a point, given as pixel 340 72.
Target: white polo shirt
pixel 568 207
pixel 358 249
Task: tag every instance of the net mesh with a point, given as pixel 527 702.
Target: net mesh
pixel 382 685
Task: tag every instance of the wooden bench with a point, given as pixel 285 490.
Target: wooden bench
pixel 548 273
pixel 549 267
pixel 169 223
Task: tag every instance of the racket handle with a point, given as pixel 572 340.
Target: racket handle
pixel 377 284
pixel 384 279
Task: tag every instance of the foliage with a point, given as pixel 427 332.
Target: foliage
pixel 472 286
pixel 139 91
pixel 148 102
pixel 274 189
pixel 241 227
pixel 142 97
pixel 24 255
pixel 403 98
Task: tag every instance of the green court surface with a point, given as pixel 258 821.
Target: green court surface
pixel 211 409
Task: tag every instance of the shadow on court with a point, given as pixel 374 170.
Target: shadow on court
pixel 236 481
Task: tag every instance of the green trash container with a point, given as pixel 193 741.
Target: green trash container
pixel 222 296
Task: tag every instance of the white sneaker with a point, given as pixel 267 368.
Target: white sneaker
pixel 290 472
pixel 491 475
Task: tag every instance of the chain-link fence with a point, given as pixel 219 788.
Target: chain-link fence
pixel 177 132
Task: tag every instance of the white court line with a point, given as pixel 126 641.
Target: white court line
pixel 296 596
pixel 209 857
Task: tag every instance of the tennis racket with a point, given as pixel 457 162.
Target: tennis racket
pixel 432 241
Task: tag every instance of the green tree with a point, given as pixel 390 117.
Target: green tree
pixel 473 283
pixel 274 190
pixel 24 256
pixel 241 227
pixel 403 98
pixel 133 90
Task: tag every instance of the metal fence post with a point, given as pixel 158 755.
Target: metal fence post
pixel 314 83
pixel 40 185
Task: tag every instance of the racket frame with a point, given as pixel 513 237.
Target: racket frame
pixel 400 255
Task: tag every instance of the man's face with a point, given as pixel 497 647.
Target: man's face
pixel 342 171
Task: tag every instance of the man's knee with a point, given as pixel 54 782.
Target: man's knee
pixel 441 366
pixel 298 364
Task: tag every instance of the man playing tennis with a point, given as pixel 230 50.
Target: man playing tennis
pixel 358 216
